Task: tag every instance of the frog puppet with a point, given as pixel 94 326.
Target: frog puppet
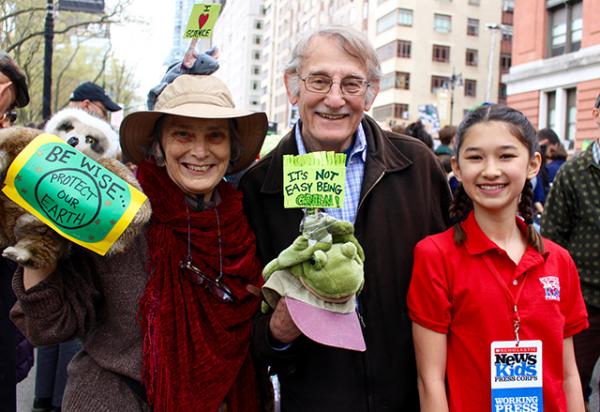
pixel 319 275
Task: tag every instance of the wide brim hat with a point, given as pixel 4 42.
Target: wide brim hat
pixel 199 97
pixel 328 323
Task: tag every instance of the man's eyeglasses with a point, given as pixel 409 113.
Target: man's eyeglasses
pixel 350 86
pixel 218 289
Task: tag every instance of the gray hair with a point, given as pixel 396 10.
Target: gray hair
pixel 155 150
pixel 351 41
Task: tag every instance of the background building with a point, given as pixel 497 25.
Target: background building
pixel 436 53
pixel 239 35
pixel 443 55
pixel 555 75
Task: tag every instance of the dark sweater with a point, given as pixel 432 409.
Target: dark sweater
pixel 94 298
pixel 572 219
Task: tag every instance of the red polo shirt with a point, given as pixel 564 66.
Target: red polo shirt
pixel 453 291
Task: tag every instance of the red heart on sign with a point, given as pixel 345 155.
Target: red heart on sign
pixel 202 19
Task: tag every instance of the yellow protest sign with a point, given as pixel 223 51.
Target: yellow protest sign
pixel 314 180
pixel 202 20
pixel 70 192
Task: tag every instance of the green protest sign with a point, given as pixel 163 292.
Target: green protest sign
pixel 314 180
pixel 585 144
pixel 71 193
pixel 202 20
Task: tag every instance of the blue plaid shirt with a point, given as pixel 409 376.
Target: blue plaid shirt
pixel 355 170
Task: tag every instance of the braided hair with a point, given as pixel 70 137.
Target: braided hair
pixel 522 129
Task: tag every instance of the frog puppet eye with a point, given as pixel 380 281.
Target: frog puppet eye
pixel 318 259
pixel 349 250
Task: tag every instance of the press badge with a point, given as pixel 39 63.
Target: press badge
pixel 516 376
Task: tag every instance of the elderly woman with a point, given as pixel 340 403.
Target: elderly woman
pixel 166 324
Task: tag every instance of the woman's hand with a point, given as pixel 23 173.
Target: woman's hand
pixel 32 277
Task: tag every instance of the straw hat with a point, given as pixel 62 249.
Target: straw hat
pixel 200 97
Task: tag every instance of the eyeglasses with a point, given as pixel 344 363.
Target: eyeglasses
pixel 215 286
pixel 351 86
pixel 218 289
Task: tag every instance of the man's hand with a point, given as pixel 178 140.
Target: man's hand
pixel 283 328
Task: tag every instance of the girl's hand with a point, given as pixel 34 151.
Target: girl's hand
pixel 571 382
pixel 430 351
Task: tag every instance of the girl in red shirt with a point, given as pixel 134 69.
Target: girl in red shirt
pixel 489 298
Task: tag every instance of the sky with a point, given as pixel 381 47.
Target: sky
pixel 144 46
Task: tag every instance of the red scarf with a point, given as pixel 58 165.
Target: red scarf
pixel 196 349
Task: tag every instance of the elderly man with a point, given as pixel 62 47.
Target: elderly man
pixel 93 99
pixel 395 195
pixel 572 219
pixel 13 93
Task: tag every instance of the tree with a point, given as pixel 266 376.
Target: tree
pixel 82 52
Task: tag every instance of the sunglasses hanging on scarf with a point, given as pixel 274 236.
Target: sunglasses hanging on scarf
pixel 188 269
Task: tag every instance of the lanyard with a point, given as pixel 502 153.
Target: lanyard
pixel 512 299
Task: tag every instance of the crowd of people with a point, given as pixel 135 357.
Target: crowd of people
pixel 174 323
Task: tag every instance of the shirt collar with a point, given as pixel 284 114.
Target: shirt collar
pixel 478 242
pixel 359 147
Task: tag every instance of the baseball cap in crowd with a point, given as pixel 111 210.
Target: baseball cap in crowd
pixel 10 69
pixel 333 324
pixel 93 92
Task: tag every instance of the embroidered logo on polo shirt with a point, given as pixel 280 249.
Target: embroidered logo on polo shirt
pixel 551 286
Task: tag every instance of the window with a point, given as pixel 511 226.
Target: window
pixel 256 55
pixel 395 80
pixel 441 53
pixel 508 5
pixel 437 82
pixel 571 115
pixel 565 26
pixel 505 62
pixel 255 69
pixel 258 24
pixel 472 27
pixel 405 17
pixel 391 111
pixel 398 17
pixel 403 49
pixel 474 2
pixel 255 85
pixel 257 40
pixel 502 93
pixel 442 23
pixel 470 87
pixel 472 57
pixel 397 48
pixel 551 114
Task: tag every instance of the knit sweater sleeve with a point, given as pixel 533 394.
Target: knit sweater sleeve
pixel 61 307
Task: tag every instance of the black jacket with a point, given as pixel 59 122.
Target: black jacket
pixel 404 197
